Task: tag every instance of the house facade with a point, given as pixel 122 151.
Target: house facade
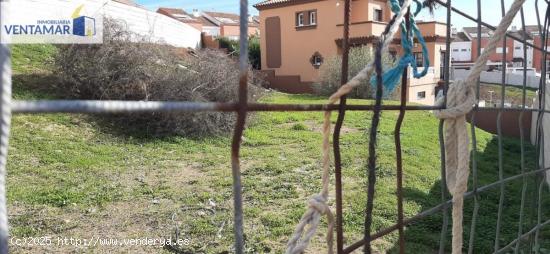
pixel 299 35
pixel 461 48
pixel 538 55
pixel 514 49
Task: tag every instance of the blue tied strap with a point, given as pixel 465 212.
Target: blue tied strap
pixel 391 77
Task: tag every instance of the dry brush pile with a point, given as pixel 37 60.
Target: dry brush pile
pixel 125 68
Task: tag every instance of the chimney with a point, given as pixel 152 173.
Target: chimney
pixel 514 28
pixel 454 31
pixel 250 19
pixel 196 13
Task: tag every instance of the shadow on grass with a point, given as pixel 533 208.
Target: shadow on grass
pixel 424 236
pixel 35 86
pixel 43 86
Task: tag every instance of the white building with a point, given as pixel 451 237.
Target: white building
pixel 461 48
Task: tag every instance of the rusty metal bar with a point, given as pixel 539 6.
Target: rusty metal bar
pixel 398 150
pixel 337 132
pixel 239 129
pixel 112 107
pixel 440 207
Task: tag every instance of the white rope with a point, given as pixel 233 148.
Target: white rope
pixel 317 206
pixel 460 101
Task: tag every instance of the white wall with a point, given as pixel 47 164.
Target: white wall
pixel 545 124
pixel 496 77
pixel 461 51
pixel 518 52
pixel 211 30
pixel 425 84
pixel 158 27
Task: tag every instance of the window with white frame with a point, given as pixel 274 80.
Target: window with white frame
pixel 313 18
pixel 300 19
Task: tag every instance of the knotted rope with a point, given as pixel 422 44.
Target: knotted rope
pixel 460 101
pixel 318 206
pixel 391 78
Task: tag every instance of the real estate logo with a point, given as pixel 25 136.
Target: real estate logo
pixel 83 25
pixel 32 21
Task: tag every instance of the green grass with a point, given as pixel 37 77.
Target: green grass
pixel 72 176
pixel 513 94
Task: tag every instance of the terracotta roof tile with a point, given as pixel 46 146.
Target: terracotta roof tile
pixel 270 2
pixel 279 3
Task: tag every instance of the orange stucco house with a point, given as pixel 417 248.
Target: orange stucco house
pixel 297 35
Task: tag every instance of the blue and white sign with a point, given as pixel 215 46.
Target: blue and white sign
pixel 52 21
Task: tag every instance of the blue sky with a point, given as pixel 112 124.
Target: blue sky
pixel 491 9
pixel 204 5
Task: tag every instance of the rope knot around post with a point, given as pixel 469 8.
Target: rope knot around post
pixel 317 207
pixel 460 101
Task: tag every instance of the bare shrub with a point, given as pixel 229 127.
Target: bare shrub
pixel 331 72
pixel 123 69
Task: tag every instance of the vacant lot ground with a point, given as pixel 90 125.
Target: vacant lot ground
pixel 81 177
pixel 492 94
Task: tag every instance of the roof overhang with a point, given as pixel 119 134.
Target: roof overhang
pixel 364 40
pixel 279 4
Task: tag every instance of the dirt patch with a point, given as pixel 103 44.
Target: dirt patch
pixel 112 227
pixel 315 126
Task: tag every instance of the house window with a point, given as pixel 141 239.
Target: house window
pixel 378 15
pixel 455 50
pixel 421 95
pixel 313 18
pixel 419 59
pixel 300 19
pixel 464 50
pixel 316 60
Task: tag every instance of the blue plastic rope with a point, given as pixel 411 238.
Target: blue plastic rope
pixel 391 77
